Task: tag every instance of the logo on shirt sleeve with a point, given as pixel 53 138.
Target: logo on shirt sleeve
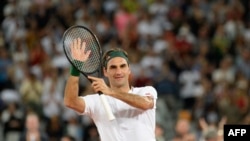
pixel 149 94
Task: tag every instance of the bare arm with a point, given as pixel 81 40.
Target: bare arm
pixel 71 98
pixel 142 102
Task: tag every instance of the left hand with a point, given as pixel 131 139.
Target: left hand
pixel 99 85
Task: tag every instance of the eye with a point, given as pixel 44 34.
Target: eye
pixel 123 65
pixel 112 67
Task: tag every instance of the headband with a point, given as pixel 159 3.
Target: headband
pixel 114 54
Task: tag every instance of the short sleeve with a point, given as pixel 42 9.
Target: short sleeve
pixel 90 104
pixel 151 92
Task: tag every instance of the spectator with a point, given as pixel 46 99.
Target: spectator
pixel 91 133
pixel 33 130
pixel 51 97
pixel 225 73
pixel 31 91
pixel 54 128
pixel 190 83
pixel 73 128
pixel 183 130
pixel 159 133
pixel 12 119
pixel 242 63
pixel 67 138
pixel 212 132
pixel 5 63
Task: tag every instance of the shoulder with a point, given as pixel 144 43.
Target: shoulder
pixel 91 97
pixel 147 88
pixel 145 91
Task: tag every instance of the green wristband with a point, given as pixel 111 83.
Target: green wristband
pixel 73 70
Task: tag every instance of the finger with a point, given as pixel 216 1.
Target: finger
pixel 93 78
pixel 96 88
pixel 94 83
pixel 78 43
pixel 87 54
pixel 83 46
pixel 75 44
pixel 71 45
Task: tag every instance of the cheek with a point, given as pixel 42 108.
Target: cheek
pixel 129 71
pixel 107 73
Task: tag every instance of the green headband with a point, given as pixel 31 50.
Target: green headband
pixel 114 54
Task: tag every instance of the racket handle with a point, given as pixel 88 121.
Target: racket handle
pixel 107 107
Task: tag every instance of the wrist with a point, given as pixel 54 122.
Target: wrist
pixel 74 71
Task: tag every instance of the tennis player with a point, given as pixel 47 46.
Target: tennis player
pixel 133 107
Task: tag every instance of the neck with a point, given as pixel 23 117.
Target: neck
pixel 33 131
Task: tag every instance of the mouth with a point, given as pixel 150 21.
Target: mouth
pixel 118 78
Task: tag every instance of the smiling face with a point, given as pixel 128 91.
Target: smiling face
pixel 118 72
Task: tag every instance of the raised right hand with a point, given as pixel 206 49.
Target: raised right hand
pixel 78 52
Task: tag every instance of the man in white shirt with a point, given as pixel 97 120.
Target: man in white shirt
pixel 133 107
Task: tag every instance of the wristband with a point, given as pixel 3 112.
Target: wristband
pixel 73 70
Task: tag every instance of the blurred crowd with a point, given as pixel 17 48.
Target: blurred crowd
pixel 196 53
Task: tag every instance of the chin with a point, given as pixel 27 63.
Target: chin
pixel 118 83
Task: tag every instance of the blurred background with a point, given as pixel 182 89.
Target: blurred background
pixel 196 53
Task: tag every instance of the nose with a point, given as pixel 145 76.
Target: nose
pixel 118 71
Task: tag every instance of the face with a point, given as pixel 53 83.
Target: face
pixel 32 123
pixel 182 127
pixel 65 139
pixel 117 72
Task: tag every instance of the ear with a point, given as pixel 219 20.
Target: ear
pixel 104 71
pixel 129 70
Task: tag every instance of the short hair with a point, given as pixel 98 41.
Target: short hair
pixel 115 52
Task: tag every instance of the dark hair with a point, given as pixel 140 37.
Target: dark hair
pixel 113 53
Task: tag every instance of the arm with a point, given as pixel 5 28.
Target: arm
pixel 141 102
pixel 71 99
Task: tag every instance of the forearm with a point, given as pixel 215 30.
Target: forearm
pixel 141 102
pixel 71 98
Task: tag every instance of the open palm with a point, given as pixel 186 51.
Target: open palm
pixel 78 52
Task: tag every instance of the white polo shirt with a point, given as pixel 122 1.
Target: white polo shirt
pixel 131 124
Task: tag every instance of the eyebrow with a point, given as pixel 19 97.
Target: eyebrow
pixel 115 66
